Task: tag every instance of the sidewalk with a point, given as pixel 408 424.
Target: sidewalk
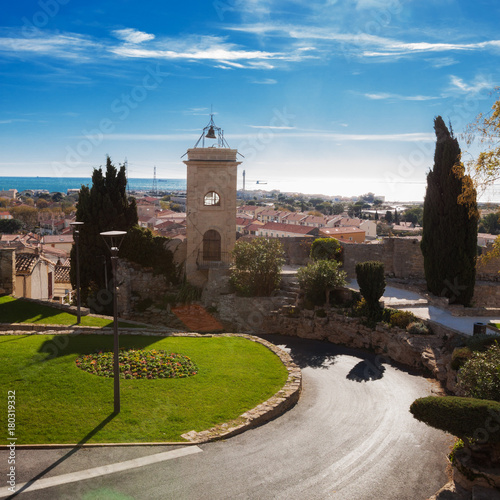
pixel 419 306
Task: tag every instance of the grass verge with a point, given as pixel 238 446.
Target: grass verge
pixel 56 402
pixel 14 310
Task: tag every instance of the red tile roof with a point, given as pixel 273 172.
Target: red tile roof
pixel 288 228
pixel 26 262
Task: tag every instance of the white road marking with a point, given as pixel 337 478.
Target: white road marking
pixel 73 477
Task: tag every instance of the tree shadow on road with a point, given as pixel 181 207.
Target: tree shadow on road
pixel 322 354
pixel 366 370
pixel 308 353
pixel 78 446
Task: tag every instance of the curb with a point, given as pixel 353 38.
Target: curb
pixel 276 405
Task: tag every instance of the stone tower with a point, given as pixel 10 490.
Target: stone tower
pixel 210 205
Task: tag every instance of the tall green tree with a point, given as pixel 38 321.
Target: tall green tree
pixel 103 207
pixel 449 239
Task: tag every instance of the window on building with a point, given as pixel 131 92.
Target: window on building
pixel 211 199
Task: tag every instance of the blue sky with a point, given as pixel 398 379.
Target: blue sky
pixel 331 97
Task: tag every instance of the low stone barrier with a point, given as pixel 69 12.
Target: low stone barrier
pixel 422 352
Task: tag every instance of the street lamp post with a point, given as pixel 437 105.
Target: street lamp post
pixel 76 235
pixel 113 240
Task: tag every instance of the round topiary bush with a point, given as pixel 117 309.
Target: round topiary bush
pixel 135 364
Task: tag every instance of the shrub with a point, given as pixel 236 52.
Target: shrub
pixel 188 293
pixel 462 417
pixel 371 281
pixel 370 316
pixel 479 377
pixel 320 313
pixel 257 266
pixel 481 342
pixel 318 278
pixel 418 328
pixel 402 319
pixel 459 356
pixel 326 249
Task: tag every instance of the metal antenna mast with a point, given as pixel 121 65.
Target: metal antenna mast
pixel 155 186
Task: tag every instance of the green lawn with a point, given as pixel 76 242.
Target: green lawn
pixel 56 402
pixel 14 310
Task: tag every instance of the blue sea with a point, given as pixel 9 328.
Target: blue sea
pixel 62 184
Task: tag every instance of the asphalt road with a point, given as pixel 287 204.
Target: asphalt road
pixel 350 437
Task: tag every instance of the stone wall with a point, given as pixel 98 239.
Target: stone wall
pixel 422 352
pixel 297 250
pixel 402 257
pixel 137 283
pixel 487 294
pixel 7 271
pixel 489 271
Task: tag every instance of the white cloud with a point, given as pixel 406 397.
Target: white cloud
pixel 266 81
pixel 362 44
pixel 326 135
pixel 200 48
pixel 64 46
pixel 273 127
pixel 377 4
pixel 479 84
pixel 131 35
pixel 12 120
pixel 387 95
pixel 441 62
pixel 396 48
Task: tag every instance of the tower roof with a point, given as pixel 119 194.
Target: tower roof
pixel 213 133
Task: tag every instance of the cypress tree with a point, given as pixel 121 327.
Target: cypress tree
pixel 449 238
pixel 103 207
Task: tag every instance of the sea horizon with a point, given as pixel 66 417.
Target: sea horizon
pixel 62 184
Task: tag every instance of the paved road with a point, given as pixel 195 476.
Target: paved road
pixel 463 324
pixel 350 437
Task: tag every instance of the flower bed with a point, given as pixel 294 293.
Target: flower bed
pixel 135 364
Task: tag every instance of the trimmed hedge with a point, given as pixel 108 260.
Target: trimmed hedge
pixel 371 281
pixel 466 418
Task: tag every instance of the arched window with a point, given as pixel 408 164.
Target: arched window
pixel 211 246
pixel 212 199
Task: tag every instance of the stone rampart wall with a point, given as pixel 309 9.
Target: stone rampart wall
pixel 137 283
pixel 402 257
pixel 7 271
